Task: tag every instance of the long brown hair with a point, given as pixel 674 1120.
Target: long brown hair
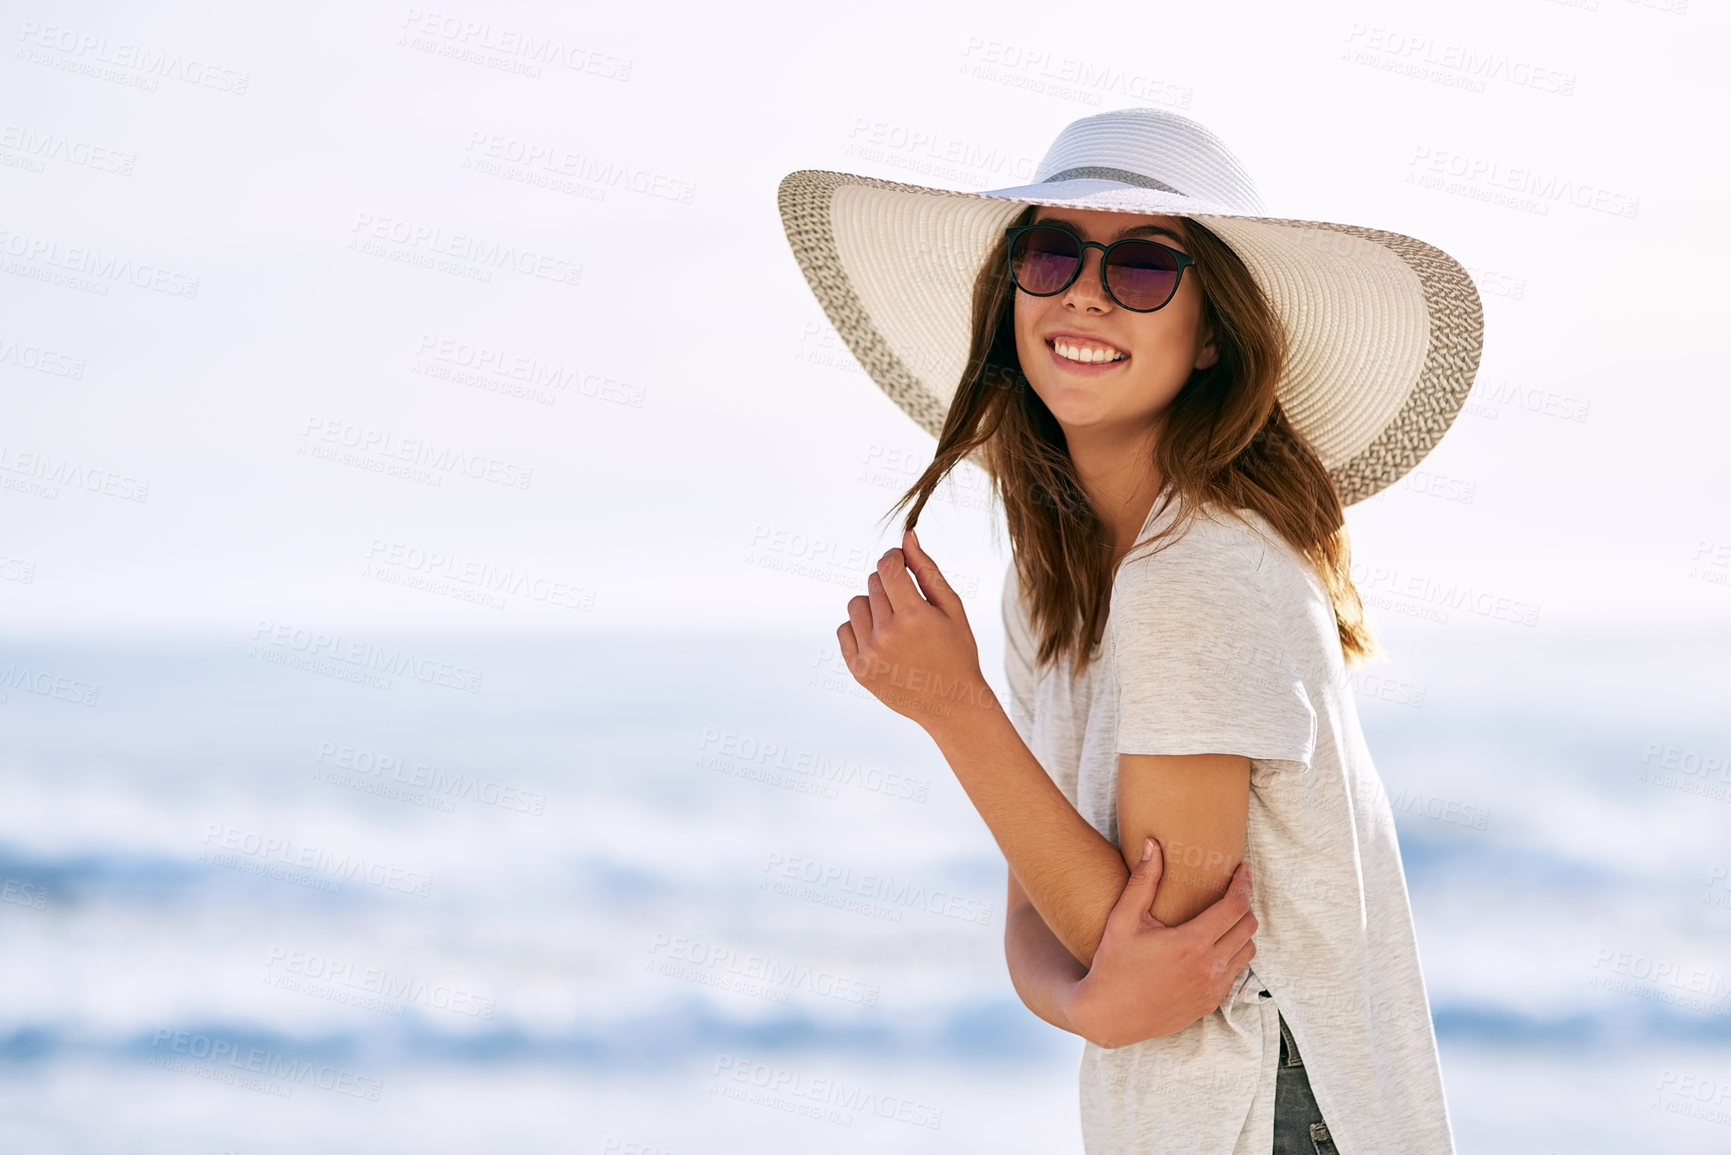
pixel 1225 441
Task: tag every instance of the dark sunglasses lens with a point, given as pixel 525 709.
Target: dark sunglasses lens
pixel 1143 275
pixel 1044 260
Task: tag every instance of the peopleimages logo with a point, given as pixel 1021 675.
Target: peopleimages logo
pixel 360 658
pixel 369 764
pixel 324 436
pixel 52 471
pixel 538 159
pixel 878 888
pixel 709 964
pixel 746 756
pixel 832 1100
pixel 375 234
pixel 477 574
pixel 49 685
pixel 214 1053
pixel 442 29
pixel 267 854
pixel 491 365
pixel 344 980
pixel 103 265
pixel 41 360
pixel 1535 190
pixel 87 52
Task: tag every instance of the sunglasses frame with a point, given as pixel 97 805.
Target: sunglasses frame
pixel 1185 260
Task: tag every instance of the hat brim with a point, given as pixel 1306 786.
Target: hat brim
pixel 1385 330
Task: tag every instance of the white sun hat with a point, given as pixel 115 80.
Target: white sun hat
pixel 1385 331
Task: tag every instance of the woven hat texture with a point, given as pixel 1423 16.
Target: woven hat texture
pixel 1385 330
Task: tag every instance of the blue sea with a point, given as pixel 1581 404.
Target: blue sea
pixel 687 895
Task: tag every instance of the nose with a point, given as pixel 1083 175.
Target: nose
pixel 1088 290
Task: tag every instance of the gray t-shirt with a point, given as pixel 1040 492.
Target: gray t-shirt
pixel 1224 642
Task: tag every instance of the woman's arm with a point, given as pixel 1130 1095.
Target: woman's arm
pixel 1148 980
pixel 1197 806
pixel 1194 804
pixel 919 657
pixel 1071 874
pixel 1042 970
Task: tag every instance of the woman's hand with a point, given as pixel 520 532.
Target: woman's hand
pixel 911 645
pixel 1149 979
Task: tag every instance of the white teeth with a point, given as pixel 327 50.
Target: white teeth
pixel 1078 353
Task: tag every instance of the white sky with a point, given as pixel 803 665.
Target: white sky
pixel 646 514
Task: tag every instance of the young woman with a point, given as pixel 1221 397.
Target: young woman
pixel 1203 878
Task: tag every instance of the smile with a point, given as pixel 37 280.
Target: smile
pixel 1082 353
pixel 1086 352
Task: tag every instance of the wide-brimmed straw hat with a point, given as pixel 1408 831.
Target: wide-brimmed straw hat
pixel 1385 330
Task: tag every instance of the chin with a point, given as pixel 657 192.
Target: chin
pixel 1073 405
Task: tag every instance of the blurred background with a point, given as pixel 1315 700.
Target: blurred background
pixel 429 492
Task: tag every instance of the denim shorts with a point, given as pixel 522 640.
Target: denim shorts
pixel 1298 1125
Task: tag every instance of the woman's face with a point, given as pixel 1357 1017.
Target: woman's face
pixel 1161 348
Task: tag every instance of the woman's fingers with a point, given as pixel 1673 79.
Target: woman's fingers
pixel 930 658
pixel 937 590
pixel 859 616
pixel 893 572
pixel 1223 914
pixel 1236 966
pixel 881 609
pixel 1137 898
pixel 1241 932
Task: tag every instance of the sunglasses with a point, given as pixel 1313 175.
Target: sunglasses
pixel 1139 275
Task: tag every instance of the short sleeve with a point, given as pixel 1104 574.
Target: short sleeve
pixel 1019 650
pixel 1199 657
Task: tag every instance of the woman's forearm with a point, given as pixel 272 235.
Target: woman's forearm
pixel 1071 874
pixel 1041 969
